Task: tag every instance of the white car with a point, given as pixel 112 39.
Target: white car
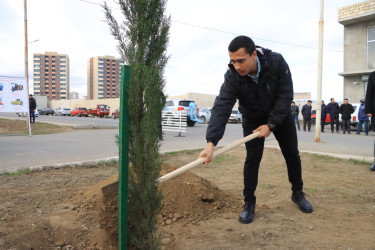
pixel 23 114
pixel 63 111
pixel 354 116
pixel 236 116
pixel 181 105
pixel 205 114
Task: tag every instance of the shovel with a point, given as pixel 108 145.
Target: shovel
pixel 200 161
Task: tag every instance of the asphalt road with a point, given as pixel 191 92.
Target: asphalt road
pixel 18 152
pixel 68 120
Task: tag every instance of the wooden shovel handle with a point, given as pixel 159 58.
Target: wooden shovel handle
pixel 200 161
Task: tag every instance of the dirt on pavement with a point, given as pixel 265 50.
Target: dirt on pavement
pixel 66 208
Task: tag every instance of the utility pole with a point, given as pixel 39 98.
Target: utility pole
pixel 26 64
pixel 320 69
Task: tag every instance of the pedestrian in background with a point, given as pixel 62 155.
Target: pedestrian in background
pixel 370 105
pixel 333 110
pixel 295 112
pixel 362 118
pixel 32 107
pixel 323 116
pixel 346 111
pixel 306 113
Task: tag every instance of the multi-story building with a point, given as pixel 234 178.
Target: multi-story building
pixel 103 77
pixel 359 47
pixel 51 75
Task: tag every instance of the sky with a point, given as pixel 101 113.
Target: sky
pixel 199 36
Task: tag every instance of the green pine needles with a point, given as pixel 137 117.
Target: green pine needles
pixel 142 38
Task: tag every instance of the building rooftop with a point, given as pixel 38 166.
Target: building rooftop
pixel 356 13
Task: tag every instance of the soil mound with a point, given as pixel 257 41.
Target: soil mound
pixel 188 199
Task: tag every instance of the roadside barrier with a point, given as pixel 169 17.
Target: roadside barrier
pixel 174 121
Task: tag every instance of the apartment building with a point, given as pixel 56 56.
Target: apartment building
pixel 103 77
pixel 359 47
pixel 51 75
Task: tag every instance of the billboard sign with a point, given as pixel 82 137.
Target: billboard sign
pixel 13 94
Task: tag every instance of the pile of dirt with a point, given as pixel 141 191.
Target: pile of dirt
pixel 188 199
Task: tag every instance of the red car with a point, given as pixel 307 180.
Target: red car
pixel 116 114
pixel 79 111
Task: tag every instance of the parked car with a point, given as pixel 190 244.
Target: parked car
pixel 23 114
pixel 62 111
pixel 236 116
pixel 46 111
pixel 101 110
pixel 353 120
pixel 205 114
pixel 116 114
pixel 181 105
pixel 80 111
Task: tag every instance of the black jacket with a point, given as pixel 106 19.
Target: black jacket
pixel 370 98
pixel 346 110
pixel 306 111
pixel 267 101
pixel 333 110
pixel 294 110
pixel 32 104
pixel 323 113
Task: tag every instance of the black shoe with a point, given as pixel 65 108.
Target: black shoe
pixel 373 167
pixel 247 214
pixel 299 198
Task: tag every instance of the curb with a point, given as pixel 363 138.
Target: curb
pixel 115 159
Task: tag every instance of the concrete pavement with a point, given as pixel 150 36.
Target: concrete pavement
pixel 20 152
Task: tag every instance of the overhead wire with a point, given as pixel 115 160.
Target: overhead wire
pixel 232 33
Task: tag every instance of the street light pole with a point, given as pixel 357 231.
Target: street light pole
pixel 26 64
pixel 320 69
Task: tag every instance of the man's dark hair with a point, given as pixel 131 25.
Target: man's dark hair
pixel 346 99
pixel 331 99
pixel 242 42
pixel 294 102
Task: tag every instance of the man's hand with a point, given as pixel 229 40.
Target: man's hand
pixel 264 131
pixel 207 153
pixel 369 115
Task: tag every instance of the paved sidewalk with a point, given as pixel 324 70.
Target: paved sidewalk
pixel 93 145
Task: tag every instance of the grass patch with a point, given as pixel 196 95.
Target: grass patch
pixel 268 186
pixel 220 159
pixel 19 127
pixel 359 162
pixel 183 151
pixel 19 172
pixel 311 189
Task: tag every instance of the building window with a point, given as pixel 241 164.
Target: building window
pixel 371 47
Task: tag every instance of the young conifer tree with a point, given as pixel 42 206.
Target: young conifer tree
pixel 142 38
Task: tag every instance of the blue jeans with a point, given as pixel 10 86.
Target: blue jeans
pixel 360 127
pixel 32 116
pixel 295 117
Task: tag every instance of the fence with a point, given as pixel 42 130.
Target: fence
pixel 174 121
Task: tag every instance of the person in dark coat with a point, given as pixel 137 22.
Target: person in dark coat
pixel 370 105
pixel 306 113
pixel 295 112
pixel 32 107
pixel 362 118
pixel 261 80
pixel 323 116
pixel 346 111
pixel 333 110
